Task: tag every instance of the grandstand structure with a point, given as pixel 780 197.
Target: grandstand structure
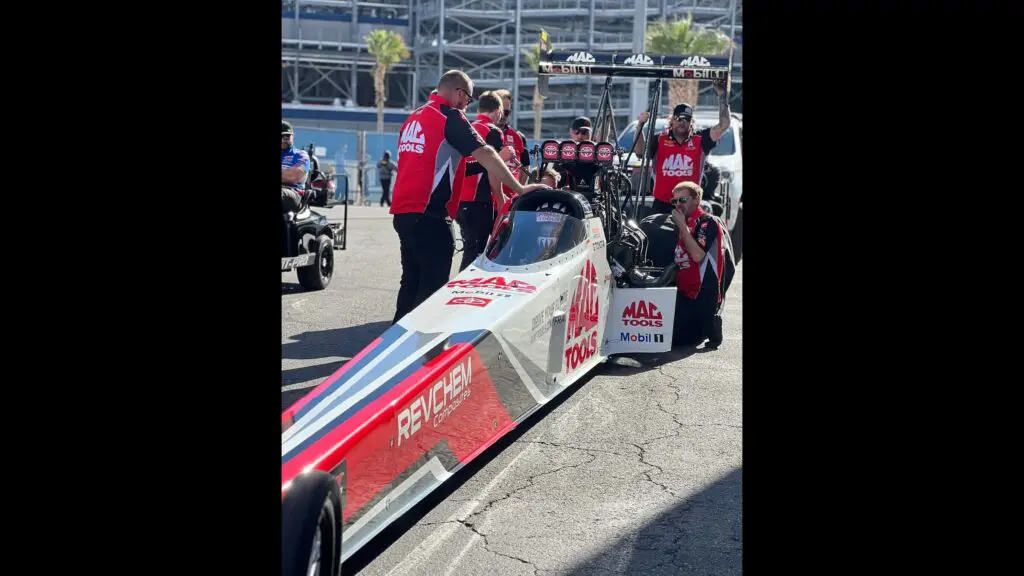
pixel 326 72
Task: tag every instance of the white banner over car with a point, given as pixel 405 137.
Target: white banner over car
pixel 640 320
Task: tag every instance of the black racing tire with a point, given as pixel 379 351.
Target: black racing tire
pixel 737 236
pixel 318 276
pixel 311 526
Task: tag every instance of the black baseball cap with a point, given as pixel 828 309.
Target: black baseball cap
pixel 683 110
pixel 580 122
pixel 286 128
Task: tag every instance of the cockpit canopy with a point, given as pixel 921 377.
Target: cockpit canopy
pixel 529 237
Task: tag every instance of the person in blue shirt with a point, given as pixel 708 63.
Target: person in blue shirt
pixel 294 168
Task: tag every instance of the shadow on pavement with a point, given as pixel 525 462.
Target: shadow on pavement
pixel 343 342
pixel 700 535
pixel 632 364
pixel 291 288
pixel 307 373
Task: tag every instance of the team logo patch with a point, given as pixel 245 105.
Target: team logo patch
pixel 412 138
pixel 677 165
pixel 469 301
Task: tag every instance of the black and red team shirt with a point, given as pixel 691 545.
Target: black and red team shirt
pixel 520 159
pixel 432 149
pixel 705 228
pixel 475 186
pixel 673 162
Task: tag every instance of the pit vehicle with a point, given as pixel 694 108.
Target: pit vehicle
pixel 308 240
pixel 568 277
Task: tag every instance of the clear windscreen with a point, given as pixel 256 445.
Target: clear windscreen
pixel 531 237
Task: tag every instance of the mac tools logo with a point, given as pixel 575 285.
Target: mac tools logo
pixel 642 313
pixel 495 283
pixel 639 60
pixel 582 57
pixel 695 61
pixel 581 329
pixel 677 165
pixel 412 138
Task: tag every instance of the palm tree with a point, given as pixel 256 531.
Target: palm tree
pixel 533 61
pixel 681 38
pixel 388 48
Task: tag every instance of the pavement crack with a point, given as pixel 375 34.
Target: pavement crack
pixel 530 484
pixel 647 473
pixel 436 523
pixel 487 546
pixel 571 447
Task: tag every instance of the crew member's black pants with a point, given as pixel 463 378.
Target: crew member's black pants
pixel 427 249
pixel 475 220
pixel 385 191
pixel 290 200
pixel 699 318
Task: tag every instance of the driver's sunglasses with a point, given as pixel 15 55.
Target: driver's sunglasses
pixel 680 200
pixel 468 95
pixel 683 118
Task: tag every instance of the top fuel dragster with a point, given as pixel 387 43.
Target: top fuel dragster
pixel 567 279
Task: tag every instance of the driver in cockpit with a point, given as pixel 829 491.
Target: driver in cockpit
pixel 579 177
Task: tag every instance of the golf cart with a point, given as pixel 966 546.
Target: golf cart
pixel 308 239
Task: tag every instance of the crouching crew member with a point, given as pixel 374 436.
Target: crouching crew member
pixel 432 148
pixel 700 262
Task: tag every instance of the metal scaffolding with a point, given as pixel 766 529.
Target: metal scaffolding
pixel 325 60
pixel 480 37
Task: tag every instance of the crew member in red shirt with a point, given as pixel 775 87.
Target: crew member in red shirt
pixel 481 190
pixel 519 161
pixel 679 154
pixel 700 263
pixel 432 148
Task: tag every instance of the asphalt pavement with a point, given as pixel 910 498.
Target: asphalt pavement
pixel 637 469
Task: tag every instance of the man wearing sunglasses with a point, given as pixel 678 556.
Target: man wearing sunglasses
pixel 581 176
pixel 433 146
pixel 700 262
pixel 294 167
pixel 679 154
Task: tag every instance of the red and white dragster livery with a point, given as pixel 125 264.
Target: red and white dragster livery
pixel 564 282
